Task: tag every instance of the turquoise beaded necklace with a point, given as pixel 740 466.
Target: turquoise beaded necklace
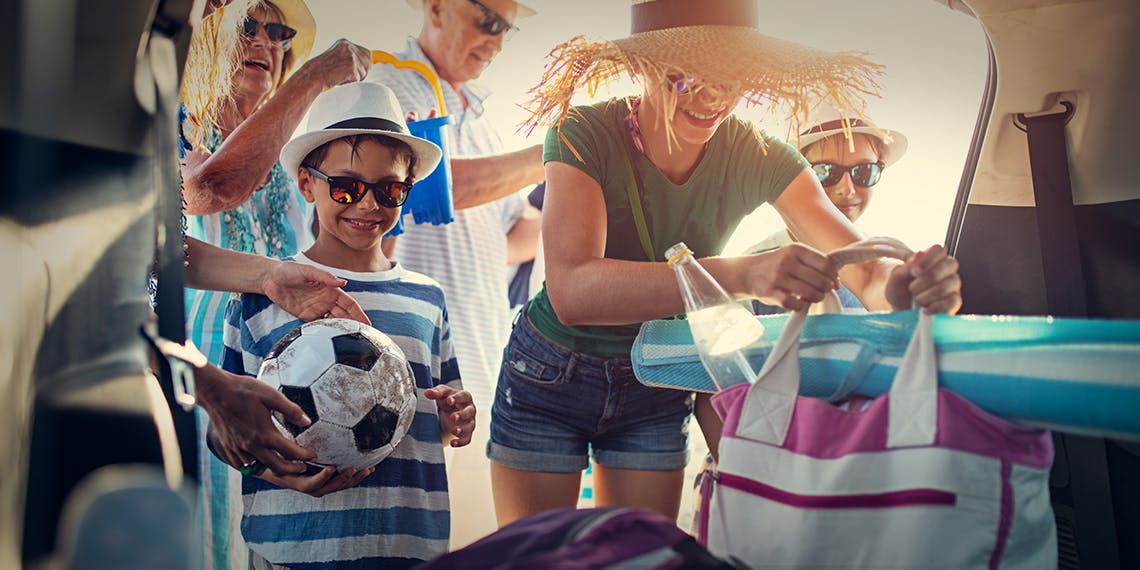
pixel 265 208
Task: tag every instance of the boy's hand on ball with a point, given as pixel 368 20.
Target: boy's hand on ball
pixel 323 482
pixel 456 414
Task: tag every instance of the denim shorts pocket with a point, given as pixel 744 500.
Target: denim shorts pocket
pixel 542 369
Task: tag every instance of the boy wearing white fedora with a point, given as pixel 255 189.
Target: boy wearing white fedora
pixel 357 163
pixel 626 179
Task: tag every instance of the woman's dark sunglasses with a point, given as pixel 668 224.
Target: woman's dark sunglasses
pixel 865 174
pixel 277 33
pixel 492 23
pixel 348 190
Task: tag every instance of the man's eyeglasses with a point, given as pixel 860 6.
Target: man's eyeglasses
pixel 348 190
pixel 277 33
pixel 865 174
pixel 492 23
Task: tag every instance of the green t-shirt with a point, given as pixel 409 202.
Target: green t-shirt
pixel 732 179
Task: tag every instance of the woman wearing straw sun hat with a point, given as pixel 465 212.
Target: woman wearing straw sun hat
pixel 627 178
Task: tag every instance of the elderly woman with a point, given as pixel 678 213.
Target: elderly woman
pixel 237 196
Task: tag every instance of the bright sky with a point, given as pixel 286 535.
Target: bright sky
pixel 935 62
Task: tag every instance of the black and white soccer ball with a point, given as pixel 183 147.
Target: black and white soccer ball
pixel 354 383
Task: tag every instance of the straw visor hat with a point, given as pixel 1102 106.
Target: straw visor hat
pixel 355 109
pixel 828 121
pixel 715 42
pixel 298 17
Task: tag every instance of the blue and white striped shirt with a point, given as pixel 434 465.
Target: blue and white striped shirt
pixel 468 257
pixel 399 515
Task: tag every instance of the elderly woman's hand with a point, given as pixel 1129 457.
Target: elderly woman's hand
pixel 344 62
pixel 309 293
pixel 241 426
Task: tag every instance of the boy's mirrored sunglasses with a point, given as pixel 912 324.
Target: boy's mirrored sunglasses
pixel 492 23
pixel 277 33
pixel 349 190
pixel 865 174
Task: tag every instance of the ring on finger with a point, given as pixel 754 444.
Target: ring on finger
pixel 252 468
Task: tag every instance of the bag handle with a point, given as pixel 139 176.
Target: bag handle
pixel 770 402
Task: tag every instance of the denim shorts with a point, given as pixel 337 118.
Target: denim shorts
pixel 553 405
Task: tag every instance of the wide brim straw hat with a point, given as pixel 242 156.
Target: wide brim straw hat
pixel 358 108
pixel 298 17
pixel 828 121
pixel 715 42
pixel 524 11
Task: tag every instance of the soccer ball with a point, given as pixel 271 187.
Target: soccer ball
pixel 352 381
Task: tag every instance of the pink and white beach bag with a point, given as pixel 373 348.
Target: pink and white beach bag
pixel 916 478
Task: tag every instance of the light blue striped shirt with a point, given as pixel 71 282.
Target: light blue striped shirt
pixel 468 257
pixel 399 515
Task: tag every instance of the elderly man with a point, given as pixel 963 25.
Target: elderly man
pixel 493 225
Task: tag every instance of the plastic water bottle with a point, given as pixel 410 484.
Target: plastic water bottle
pixel 721 327
pixel 586 491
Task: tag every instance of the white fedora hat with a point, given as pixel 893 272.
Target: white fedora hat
pixel 524 11
pixel 357 108
pixel 827 121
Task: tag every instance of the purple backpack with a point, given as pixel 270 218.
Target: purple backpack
pixel 610 538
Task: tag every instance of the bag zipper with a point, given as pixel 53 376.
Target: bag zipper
pixel 892 499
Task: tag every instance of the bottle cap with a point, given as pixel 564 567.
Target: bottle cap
pixel 676 252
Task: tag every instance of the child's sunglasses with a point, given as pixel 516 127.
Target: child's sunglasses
pixel 865 174
pixel 492 23
pixel 277 33
pixel 348 190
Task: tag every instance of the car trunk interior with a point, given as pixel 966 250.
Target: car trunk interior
pixel 1057 233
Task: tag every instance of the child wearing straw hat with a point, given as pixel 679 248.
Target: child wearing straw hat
pixel 848 169
pixel 627 178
